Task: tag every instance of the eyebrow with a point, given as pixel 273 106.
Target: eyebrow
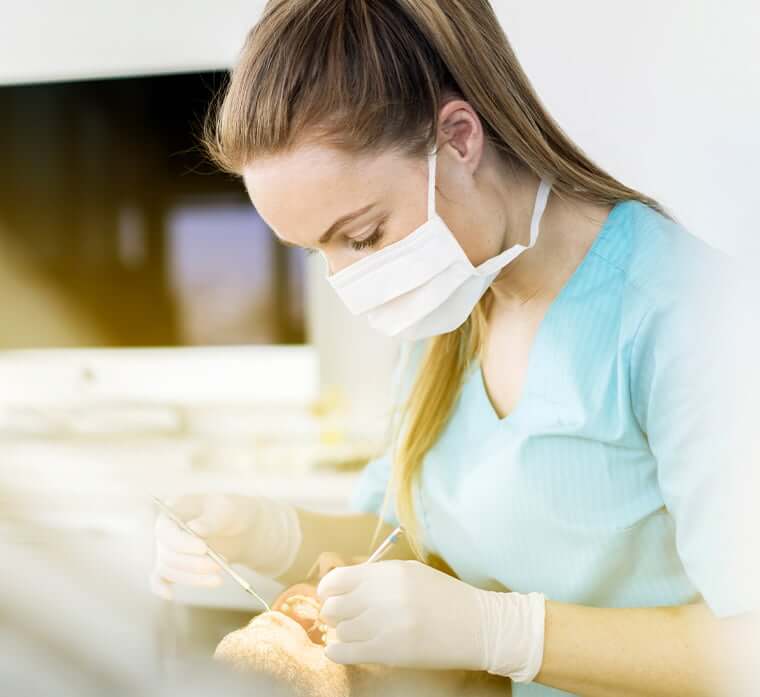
pixel 337 225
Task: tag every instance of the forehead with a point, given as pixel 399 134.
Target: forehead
pixel 314 165
pixel 303 191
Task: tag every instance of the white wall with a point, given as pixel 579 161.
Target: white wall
pixel 664 94
pixel 71 39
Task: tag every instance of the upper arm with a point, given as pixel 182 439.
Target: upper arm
pixel 688 362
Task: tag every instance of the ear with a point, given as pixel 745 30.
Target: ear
pixel 460 127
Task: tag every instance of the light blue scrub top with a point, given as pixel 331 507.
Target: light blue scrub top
pixel 610 484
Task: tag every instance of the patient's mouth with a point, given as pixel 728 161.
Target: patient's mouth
pixel 301 604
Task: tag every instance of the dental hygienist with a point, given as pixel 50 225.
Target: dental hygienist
pixel 566 440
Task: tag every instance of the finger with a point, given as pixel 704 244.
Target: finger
pixel 197 564
pixel 339 608
pixel 360 628
pixel 342 580
pixel 160 587
pixel 349 653
pixel 187 578
pixel 171 536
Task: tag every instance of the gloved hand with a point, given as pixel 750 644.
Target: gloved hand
pixel 259 532
pixel 407 614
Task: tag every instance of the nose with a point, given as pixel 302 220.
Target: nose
pixel 337 264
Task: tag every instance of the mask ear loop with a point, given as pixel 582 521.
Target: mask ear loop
pixel 542 197
pixel 431 184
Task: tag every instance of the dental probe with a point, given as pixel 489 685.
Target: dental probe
pixel 385 544
pixel 216 556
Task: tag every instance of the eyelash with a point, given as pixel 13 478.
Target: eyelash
pixel 358 245
pixel 370 241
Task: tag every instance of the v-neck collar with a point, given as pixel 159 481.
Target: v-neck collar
pixel 536 345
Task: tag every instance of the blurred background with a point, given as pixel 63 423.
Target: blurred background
pixel 154 338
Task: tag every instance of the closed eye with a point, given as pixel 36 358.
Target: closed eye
pixel 370 241
pixel 358 245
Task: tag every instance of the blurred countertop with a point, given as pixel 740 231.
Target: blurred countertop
pixel 86 437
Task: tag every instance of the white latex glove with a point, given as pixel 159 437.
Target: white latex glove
pixel 407 614
pixel 259 532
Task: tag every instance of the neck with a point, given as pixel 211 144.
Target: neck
pixel 534 269
pixel 567 230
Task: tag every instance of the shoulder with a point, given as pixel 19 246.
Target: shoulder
pixel 660 258
pixel 678 306
pixel 690 307
pixel 665 269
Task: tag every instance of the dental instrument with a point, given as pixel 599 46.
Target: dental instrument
pixel 386 543
pixel 216 556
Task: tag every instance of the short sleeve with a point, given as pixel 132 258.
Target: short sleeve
pixel 688 358
pixel 369 491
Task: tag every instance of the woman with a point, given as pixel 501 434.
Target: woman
pixel 564 443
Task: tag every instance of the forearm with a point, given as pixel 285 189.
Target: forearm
pixel 348 535
pixel 645 652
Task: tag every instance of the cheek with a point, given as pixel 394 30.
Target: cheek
pixel 478 234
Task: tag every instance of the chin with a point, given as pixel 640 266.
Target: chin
pixel 286 647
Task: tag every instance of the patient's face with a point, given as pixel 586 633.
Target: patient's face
pixel 287 644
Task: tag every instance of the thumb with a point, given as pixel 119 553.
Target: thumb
pixel 340 580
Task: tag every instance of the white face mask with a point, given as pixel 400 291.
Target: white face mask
pixel 424 284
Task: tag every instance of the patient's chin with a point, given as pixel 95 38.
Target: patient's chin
pixel 276 645
pixel 253 643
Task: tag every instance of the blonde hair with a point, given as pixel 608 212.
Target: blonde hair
pixel 368 75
